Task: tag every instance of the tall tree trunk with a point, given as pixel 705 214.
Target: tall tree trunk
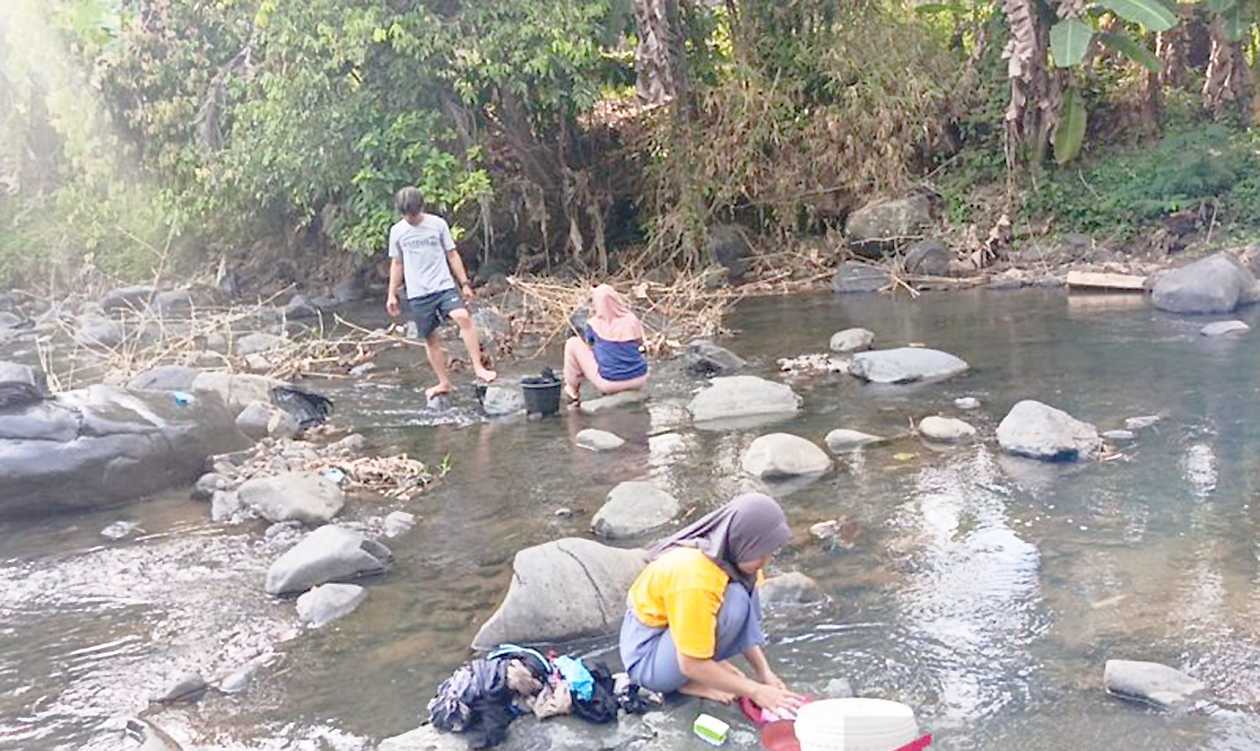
pixel 660 61
pixel 1032 106
pixel 1227 85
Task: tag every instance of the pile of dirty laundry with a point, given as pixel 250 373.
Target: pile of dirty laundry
pixel 483 696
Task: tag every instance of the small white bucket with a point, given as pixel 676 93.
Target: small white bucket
pixel 855 725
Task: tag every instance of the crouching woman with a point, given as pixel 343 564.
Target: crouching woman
pixel 610 353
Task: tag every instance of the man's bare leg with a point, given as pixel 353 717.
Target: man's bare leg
pixel 437 360
pixel 468 332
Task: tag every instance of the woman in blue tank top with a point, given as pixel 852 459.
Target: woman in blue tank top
pixel 610 352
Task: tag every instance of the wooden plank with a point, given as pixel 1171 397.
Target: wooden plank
pixel 1099 280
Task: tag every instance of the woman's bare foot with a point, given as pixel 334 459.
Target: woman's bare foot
pixel 440 389
pixel 691 688
pixel 485 374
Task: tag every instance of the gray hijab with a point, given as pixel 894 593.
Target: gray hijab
pixel 749 527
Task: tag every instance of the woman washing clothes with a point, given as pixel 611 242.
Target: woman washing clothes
pixel 610 352
pixel 695 607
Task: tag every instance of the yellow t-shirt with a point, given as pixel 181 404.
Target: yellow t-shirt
pixel 683 590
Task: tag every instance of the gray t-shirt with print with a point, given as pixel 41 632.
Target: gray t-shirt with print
pixel 423 248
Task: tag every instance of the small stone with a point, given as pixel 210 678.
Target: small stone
pixel 852 340
pixel 633 508
pixel 398 522
pixel 967 402
pixel 1119 435
pixel 945 429
pixel 1141 423
pixel 300 307
pixel 790 589
pixel 328 602
pixel 598 440
pixel 1221 328
pixel 257 343
pixel 238 680
pixel 564 513
pixel 842 440
pixel 207 485
pixel 501 400
pixel 605 403
pixel 258 363
pixel 1150 682
pixel 351 444
pixel 119 530
pixel 839 688
pixel 825 530
pixel 189 687
pixel 224 505
pixel 780 455
pixel 359 371
pixel 706 359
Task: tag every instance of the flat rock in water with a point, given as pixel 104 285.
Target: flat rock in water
pixel 790 589
pixel 1216 284
pixel 293 496
pixel 945 429
pixel 852 340
pixel 706 359
pixel 780 455
pixel 1141 423
pixel 563 590
pixel 906 365
pixel 842 439
pixel 634 508
pixel 330 553
pixel 1119 435
pixel 851 277
pixel 164 378
pixel 615 401
pixel 743 396
pixel 501 400
pixel 1221 328
pixel 398 522
pixel 1039 431
pixel 1150 682
pixel 188 687
pixel 328 602
pixel 598 440
pixel 967 402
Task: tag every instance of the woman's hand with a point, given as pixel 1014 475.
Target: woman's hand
pixel 767 676
pixel 776 698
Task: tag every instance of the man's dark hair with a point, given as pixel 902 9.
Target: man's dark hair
pixel 409 201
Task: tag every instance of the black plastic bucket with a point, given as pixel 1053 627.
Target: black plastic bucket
pixel 542 395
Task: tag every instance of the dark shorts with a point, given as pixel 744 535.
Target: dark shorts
pixel 429 311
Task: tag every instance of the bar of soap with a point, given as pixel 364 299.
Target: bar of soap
pixel 710 729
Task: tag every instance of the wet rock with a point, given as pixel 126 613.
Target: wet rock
pixel 293 496
pixel 119 530
pixel 257 363
pixel 98 446
pixel 351 444
pixel 225 506
pixel 9 320
pixel 127 298
pixel 715 277
pixel 1216 284
pixel 743 396
pixel 563 590
pixel 98 331
pixel 945 430
pixel 1150 682
pixel 967 402
pixel 424 738
pixel 1221 328
pixel 164 378
pixel 299 308
pixel 929 258
pixel 839 688
pixel 442 403
pixel 328 602
pixel 852 340
pixel 351 289
pixel 149 736
pixel 173 302
pixel 1141 423
pixel 880 226
pixel 825 530
pixel 187 688
pixel 790 589
pixel 852 277
pixel 598 440
pixel 779 455
pixel 329 554
pixel 906 365
pixel 501 400
pixel 841 440
pixel 21 385
pixel 706 359
pixel 564 512
pixel 236 391
pixel 613 401
pixel 1039 431
pixel 634 508
pixel 398 522
pixel 258 343
pixel 1119 435
pixel 261 420
pixel 728 246
pixel 209 484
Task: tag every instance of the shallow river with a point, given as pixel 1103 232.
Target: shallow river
pixel 986 593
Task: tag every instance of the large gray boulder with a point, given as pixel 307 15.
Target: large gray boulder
pixel 329 554
pixel 21 384
pixel 164 378
pixel 293 496
pixel 706 359
pixel 929 258
pixel 851 276
pixel 780 455
pixel 906 365
pixel 328 602
pixel 100 446
pixel 563 590
pixel 727 245
pixel 127 298
pixel 1039 431
pixel 633 508
pixel 1150 682
pixel 880 226
pixel 1216 284
pixel 99 331
pixel 236 391
pixel 743 396
pixel 261 420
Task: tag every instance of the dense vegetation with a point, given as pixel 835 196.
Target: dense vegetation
pixel 561 132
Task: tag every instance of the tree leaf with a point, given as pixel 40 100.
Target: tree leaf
pixel 1220 6
pixel 1070 134
pixel 1152 14
pixel 1132 49
pixel 1069 41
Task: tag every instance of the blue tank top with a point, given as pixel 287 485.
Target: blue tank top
pixel 618 361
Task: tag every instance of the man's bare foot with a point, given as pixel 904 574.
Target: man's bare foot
pixel 439 390
pixel 691 688
pixel 484 374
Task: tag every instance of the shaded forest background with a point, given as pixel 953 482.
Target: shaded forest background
pixel 581 136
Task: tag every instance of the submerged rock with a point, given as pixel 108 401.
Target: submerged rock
pixel 1141 423
pixel 399 522
pixel 880 226
pixel 852 340
pixel 706 359
pixel 614 401
pixel 598 440
pixel 119 530
pixel 851 277
pixel 503 400
pixel 188 687
pixel 780 455
pixel 563 590
pixel 906 365
pixel 1119 435
pixel 967 402
pixel 790 589
pixel 1216 284
pixel 293 496
pixel 1150 682
pixel 1039 431
pixel 743 396
pixel 634 508
pixel 945 429
pixel 841 440
pixel 328 602
pixel 330 553
pixel 1221 328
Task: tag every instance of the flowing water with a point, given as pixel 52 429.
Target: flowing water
pixel 985 592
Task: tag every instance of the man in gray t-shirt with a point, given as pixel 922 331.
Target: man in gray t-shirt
pixel 423 253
